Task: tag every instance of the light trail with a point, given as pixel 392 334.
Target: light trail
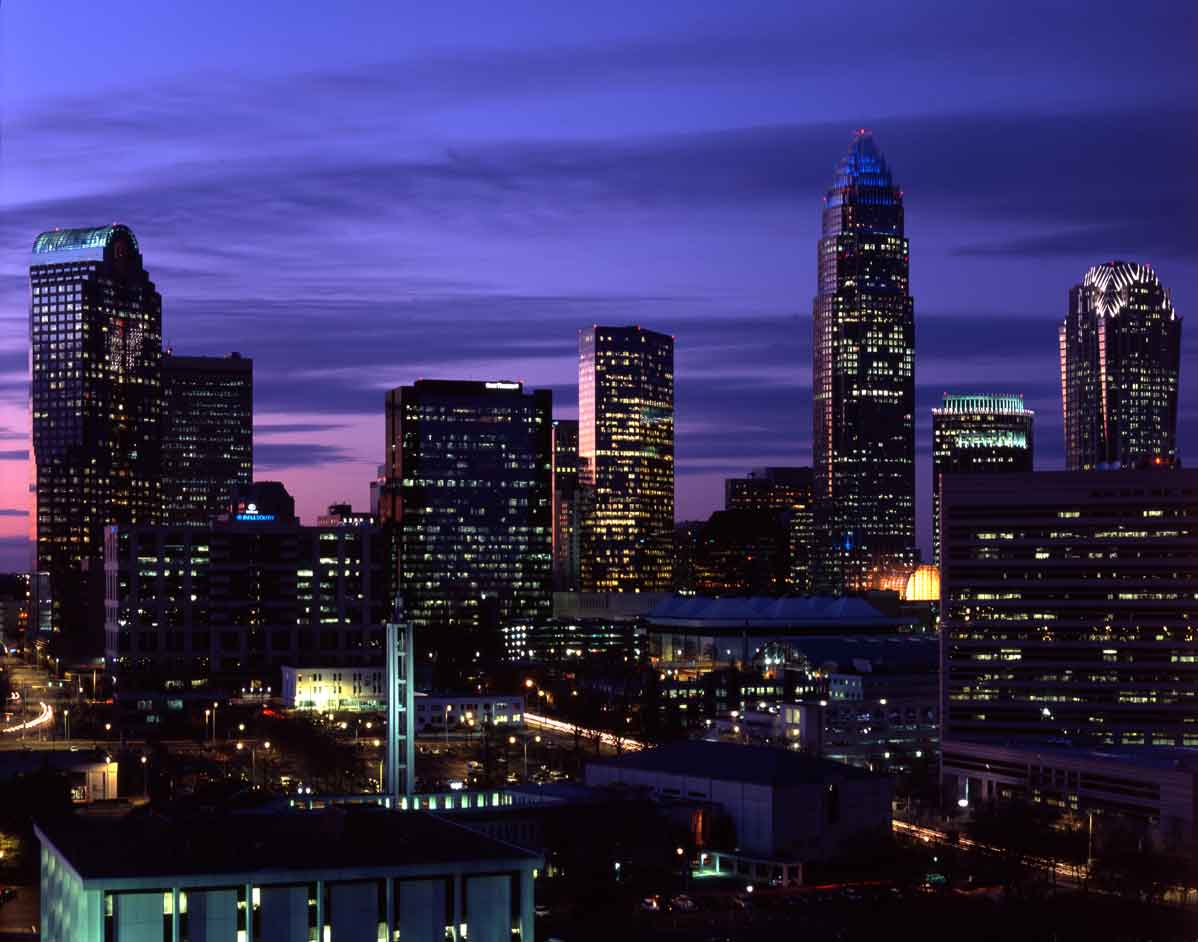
pixel 43 718
pixel 536 721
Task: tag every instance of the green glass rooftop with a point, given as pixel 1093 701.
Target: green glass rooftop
pixel 79 240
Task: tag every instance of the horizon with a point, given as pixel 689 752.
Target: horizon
pixel 453 195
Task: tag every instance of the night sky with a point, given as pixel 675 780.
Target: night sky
pixel 359 195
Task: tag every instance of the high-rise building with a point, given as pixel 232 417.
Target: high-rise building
pixel 977 434
pixel 566 506
pixel 788 492
pixel 96 354
pixel 207 435
pixel 626 458
pixel 863 380
pixel 472 464
pixel 1067 604
pixel 1120 347
pixel 742 552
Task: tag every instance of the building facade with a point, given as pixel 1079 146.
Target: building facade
pixel 626 458
pixel 207 435
pixel 349 874
pixel 472 462
pixel 978 434
pixel 237 600
pixel 1120 347
pixel 96 355
pixel 566 507
pixel 1067 608
pixel 863 383
pixel 790 493
pixel 743 552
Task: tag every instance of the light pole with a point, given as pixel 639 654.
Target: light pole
pixel 66 723
pixel 448 709
pixel 207 713
pixel 512 741
pixel 214 722
pixel 145 768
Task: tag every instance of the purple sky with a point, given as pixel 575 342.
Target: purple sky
pixel 362 194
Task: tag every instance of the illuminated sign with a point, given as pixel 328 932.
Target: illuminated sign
pixel 254 518
pixel 503 385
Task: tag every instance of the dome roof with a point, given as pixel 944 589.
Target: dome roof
pixel 924 585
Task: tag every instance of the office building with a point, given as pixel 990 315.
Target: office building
pixel 472 462
pixel 788 492
pixel 344 873
pixel 1067 603
pixel 626 458
pixel 566 506
pixel 977 434
pixel 863 381
pixel 234 601
pixel 1120 347
pixel 207 435
pixel 96 354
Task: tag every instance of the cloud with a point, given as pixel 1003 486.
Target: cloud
pixel 293 428
pixel 271 456
pixel 13 512
pixel 14 454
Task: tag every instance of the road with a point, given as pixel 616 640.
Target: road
pixel 549 724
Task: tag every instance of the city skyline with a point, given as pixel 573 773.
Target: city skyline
pixel 717 191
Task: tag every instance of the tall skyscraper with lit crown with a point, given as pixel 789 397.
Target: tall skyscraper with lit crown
pixel 1120 347
pixel 863 383
pixel 626 458
pixel 95 396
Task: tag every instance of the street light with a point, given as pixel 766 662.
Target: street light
pixel 66 722
pixel 145 768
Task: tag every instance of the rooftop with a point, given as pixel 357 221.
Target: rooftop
pixel 766 611
pixel 154 844
pixel 732 762
pixel 90 241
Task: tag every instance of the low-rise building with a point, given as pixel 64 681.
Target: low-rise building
pixel 91 774
pixel 325 689
pixel 1155 790
pixel 344 874
pixel 435 711
pixel 785 808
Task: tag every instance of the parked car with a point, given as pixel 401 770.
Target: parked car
pixel 651 904
pixel 683 903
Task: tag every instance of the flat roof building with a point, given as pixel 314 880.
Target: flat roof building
pixel 783 805
pixel 346 873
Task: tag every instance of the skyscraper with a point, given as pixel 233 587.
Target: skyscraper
pixel 1120 347
pixel 471 465
pixel 977 435
pixel 96 355
pixel 626 458
pixel 863 380
pixel 207 435
pixel 566 573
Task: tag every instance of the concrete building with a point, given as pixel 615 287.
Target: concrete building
pixel 785 808
pixel 339 874
pixel 1154 789
pixel 332 688
pixel 460 711
pixel 91 775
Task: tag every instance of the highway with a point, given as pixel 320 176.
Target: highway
pixel 548 723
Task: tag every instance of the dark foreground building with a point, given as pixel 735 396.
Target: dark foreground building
pixel 95 331
pixel 789 493
pixel 358 873
pixel 1120 349
pixel 863 383
pixel 207 435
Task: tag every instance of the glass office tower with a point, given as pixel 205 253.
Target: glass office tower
pixel 1120 348
pixel 626 458
pixel 863 381
pixel 787 492
pixel 977 435
pixel 96 354
pixel 207 435
pixel 471 465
